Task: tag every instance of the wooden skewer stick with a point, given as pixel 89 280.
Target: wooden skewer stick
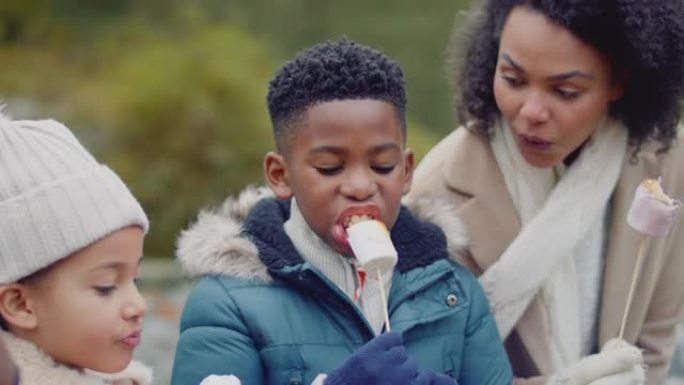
pixel 643 245
pixel 384 300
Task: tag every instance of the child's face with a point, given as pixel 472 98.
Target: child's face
pixel 87 307
pixel 346 158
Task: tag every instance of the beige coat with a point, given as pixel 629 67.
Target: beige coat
pixel 37 368
pixel 463 170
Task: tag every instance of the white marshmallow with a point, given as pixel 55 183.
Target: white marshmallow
pixel 372 246
pixel 214 379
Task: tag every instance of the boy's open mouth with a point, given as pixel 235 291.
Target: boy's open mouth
pixel 350 220
pixel 347 218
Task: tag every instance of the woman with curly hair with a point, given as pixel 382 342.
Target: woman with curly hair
pixel 566 106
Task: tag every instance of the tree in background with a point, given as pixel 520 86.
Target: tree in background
pixel 172 94
pixel 184 121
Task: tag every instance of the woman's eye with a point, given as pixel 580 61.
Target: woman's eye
pixel 329 171
pixel 512 81
pixel 567 94
pixel 137 282
pixel 383 169
pixel 104 290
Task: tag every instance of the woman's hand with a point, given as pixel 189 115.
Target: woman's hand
pixel 618 363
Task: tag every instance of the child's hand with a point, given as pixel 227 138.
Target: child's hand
pixel 381 361
pixel 214 379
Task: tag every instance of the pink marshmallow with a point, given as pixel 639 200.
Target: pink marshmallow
pixel 652 212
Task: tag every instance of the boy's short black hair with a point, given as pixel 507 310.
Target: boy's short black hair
pixel 334 70
pixel 642 39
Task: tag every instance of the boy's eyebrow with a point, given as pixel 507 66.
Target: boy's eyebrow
pixel 340 150
pixel 385 147
pixel 327 148
pixel 561 76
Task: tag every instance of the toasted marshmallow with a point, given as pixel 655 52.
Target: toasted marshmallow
pixel 652 212
pixel 370 241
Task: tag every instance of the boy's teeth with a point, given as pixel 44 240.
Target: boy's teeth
pixel 357 218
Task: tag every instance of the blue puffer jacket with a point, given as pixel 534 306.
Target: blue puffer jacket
pixel 262 313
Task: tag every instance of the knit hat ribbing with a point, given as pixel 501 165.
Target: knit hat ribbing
pixel 55 198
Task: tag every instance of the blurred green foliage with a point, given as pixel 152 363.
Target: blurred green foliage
pixel 171 94
pixel 189 118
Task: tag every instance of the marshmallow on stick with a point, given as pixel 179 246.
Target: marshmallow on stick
pixel 370 241
pixel 652 213
pixel 214 379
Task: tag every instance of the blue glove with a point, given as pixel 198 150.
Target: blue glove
pixel 381 361
pixel 428 377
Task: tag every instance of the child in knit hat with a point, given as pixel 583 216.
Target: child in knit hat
pixel 71 237
pixel 8 372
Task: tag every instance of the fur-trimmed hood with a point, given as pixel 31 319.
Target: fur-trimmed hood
pixel 215 243
pixel 37 368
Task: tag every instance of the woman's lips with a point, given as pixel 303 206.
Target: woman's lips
pixel 534 143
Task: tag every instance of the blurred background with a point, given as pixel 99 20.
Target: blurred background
pixel 171 94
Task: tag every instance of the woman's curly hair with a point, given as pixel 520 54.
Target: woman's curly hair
pixel 642 39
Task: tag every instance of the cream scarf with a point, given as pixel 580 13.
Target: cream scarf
pixel 37 368
pixel 562 223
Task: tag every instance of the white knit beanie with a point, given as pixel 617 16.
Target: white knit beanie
pixel 55 198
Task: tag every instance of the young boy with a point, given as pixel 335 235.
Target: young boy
pixel 71 237
pixel 280 299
